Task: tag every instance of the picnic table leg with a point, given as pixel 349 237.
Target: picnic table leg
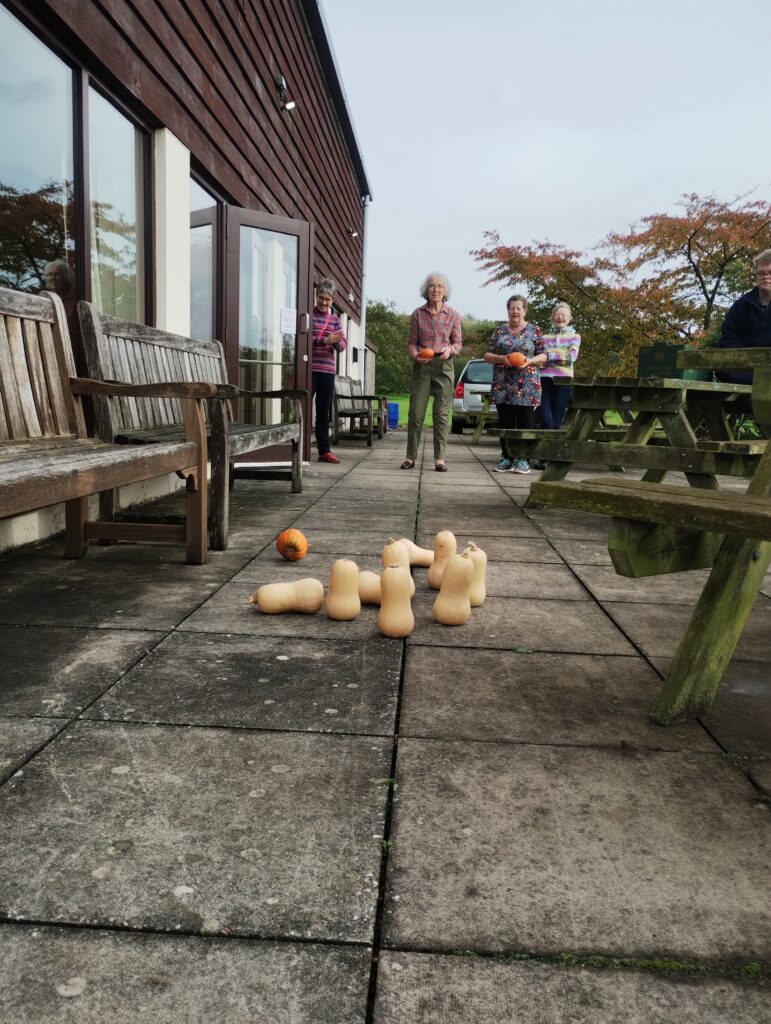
pixel 481 418
pixel 714 630
pixel 580 429
pixel 680 434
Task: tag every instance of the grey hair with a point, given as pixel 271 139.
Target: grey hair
pixel 326 286
pixel 563 305
pixel 762 259
pixel 517 298
pixel 443 281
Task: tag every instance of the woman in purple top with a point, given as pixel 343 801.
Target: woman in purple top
pixel 328 339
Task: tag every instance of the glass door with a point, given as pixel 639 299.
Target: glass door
pixel 267 328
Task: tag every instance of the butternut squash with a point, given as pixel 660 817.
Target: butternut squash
pixel 395 617
pixel 305 596
pixel 418 556
pixel 369 587
pixel 479 559
pixel 444 547
pixel 395 553
pixel 452 606
pixel 343 602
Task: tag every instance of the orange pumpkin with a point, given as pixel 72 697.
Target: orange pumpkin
pixel 292 545
pixel 516 359
pixel 424 354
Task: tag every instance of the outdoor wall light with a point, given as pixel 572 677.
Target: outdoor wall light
pixel 281 86
pixel 352 233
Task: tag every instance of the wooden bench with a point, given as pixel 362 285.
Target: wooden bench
pixel 46 457
pixel 119 350
pixel 355 414
pixel 659 528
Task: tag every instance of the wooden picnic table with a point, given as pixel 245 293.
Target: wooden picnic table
pixel 661 417
pixel 660 528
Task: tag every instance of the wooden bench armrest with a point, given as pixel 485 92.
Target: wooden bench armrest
pixel 166 389
pixel 285 393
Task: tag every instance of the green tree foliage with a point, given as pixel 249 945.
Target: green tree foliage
pixel 389 330
pixel 669 279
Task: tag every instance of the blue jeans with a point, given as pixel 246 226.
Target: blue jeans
pixel 555 398
pixel 324 393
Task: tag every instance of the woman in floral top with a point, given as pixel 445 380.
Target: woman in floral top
pixel 516 391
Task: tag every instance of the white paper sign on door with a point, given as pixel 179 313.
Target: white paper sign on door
pixel 289 321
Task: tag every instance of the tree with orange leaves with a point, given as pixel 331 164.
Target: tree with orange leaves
pixel 668 279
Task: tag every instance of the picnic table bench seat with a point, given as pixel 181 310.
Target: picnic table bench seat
pixel 120 350
pixel 662 528
pixel 46 456
pixel 356 414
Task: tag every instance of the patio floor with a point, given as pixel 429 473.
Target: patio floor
pixel 214 815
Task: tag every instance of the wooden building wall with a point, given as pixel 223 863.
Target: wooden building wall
pixel 206 70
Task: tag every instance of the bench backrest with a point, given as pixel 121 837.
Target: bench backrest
pixel 36 362
pixel 348 395
pixel 124 351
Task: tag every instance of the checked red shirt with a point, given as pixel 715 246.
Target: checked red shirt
pixel 434 330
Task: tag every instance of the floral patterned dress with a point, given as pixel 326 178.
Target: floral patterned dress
pixel 512 386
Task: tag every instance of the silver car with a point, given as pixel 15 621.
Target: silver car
pixel 474 382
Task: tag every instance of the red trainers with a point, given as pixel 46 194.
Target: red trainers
pixel 328 457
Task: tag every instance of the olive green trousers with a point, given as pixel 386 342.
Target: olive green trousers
pixel 435 378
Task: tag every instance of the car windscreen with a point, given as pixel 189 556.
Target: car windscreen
pixel 478 373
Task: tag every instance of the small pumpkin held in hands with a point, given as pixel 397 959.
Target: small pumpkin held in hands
pixel 516 359
pixel 424 354
pixel 292 544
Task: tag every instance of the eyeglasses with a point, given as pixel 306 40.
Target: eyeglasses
pixel 763 273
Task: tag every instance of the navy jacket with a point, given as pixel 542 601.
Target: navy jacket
pixel 747 325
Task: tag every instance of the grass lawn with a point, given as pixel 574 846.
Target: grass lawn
pixel 404 408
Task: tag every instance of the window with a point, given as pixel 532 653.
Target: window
pixel 116 188
pixel 37 209
pixel 203 223
pixel 44 181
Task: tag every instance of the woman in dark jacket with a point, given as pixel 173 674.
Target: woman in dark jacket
pixel 748 321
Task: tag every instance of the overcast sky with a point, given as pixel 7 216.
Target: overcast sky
pixel 543 120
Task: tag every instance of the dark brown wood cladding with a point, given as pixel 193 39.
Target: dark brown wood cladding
pixel 207 71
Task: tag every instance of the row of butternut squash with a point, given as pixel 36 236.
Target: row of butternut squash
pixel 459 578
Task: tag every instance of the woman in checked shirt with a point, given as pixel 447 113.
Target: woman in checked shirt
pixel 434 327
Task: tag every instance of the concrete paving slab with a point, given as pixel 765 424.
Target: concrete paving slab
pixel 229 612
pixel 505 623
pixel 54 671
pixel 270 567
pixel 504 550
pixel 556 699
pixel 352 541
pixel 261 683
pixel 100 977
pixel 740 717
pixel 658 629
pixel 138 597
pixel 200 830
pixel 760 772
pixel 675 588
pixel 20 738
pixel 388 525
pixel 582 552
pixel 431 989
pixel 575 525
pixel 512 525
pixel 530 579
pixel 643 854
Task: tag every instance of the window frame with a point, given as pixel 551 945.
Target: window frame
pixel 83 79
